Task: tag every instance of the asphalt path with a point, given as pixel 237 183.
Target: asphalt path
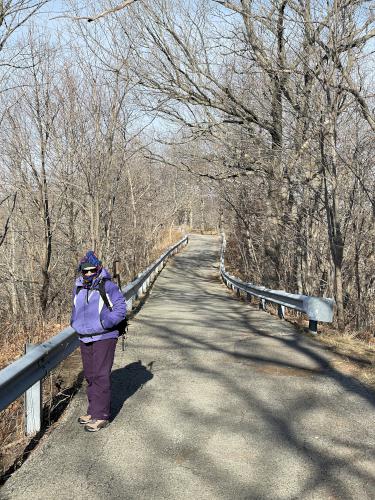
pixel 212 399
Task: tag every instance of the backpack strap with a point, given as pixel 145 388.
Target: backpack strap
pixel 101 288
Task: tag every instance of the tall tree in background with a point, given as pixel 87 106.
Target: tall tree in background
pixel 13 16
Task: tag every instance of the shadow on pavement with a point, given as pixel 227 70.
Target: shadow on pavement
pixel 126 382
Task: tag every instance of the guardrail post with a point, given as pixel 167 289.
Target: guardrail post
pixel 313 327
pixel 281 311
pixel 262 304
pixel 238 292
pixel 33 404
pixel 248 297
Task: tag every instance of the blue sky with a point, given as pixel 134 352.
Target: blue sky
pixel 55 8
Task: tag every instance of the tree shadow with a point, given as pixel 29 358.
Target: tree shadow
pixel 127 381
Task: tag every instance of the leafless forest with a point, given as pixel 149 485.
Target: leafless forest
pixel 252 117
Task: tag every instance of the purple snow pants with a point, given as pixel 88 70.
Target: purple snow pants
pixel 97 360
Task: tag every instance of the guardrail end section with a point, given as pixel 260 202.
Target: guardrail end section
pixel 319 308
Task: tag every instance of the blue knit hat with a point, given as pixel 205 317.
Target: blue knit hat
pixel 90 260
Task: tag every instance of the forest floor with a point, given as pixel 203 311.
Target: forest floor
pixel 358 356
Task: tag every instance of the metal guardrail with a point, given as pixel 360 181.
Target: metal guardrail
pixel 316 308
pixel 27 371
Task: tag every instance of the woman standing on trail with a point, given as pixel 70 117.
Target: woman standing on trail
pixel 98 309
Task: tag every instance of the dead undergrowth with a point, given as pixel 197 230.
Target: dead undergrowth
pixel 356 349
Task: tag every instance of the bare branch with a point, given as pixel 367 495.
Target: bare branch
pixel 89 19
pixel 6 226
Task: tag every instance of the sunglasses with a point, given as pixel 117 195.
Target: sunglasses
pixel 87 271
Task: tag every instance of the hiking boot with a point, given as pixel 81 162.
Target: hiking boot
pixel 85 419
pixel 96 425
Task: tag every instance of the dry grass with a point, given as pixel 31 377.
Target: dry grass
pixel 168 239
pixel 15 336
pixel 358 353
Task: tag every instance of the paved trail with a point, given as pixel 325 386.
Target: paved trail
pixel 214 399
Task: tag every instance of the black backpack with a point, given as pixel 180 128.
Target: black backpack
pixel 122 327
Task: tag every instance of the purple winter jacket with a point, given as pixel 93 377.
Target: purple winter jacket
pixel 91 316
